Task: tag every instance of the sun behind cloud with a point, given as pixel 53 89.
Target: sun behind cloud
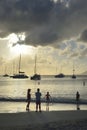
pixel 21 49
pixel 17 46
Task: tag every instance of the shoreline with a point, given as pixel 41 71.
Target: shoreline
pixel 15 107
pixel 32 120
pixel 62 101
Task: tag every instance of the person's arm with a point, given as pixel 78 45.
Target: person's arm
pixel 40 94
pixel 27 95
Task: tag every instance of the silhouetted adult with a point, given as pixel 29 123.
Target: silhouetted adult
pixel 38 100
pixel 77 100
pixel 77 96
pixel 28 99
pixel 83 83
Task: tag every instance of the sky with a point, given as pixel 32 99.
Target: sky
pixel 54 30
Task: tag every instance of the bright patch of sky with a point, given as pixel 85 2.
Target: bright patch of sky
pixel 48 29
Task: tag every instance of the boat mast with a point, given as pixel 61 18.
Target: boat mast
pixel 73 69
pixel 19 63
pixel 61 69
pixel 35 64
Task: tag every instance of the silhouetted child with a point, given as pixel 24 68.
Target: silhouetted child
pixel 28 99
pixel 38 100
pixel 48 97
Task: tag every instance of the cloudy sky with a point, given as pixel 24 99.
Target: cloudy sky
pixel 54 30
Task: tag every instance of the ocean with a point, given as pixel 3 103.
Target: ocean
pixel 13 93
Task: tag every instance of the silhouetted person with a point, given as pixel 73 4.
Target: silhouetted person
pixel 77 100
pixel 38 100
pixel 28 99
pixel 83 83
pixel 48 97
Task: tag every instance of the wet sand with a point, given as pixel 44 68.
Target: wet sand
pixel 58 120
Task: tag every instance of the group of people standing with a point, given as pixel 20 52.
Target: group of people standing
pixel 38 99
pixel 47 97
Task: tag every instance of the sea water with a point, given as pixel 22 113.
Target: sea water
pixel 13 93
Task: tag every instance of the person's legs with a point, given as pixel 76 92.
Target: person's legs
pixel 36 106
pixel 39 106
pixel 47 106
pixel 27 107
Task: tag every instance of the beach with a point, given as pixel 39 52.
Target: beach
pixel 63 111
pixel 45 120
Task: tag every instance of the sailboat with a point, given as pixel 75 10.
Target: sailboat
pixel 73 76
pixel 60 75
pixel 20 75
pixel 5 75
pixel 35 76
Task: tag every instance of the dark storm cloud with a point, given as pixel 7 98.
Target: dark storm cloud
pixel 43 21
pixel 83 36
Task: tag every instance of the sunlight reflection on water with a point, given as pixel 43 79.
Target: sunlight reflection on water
pixel 13 107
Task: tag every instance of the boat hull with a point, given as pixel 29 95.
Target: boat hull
pixel 36 77
pixel 74 76
pixel 19 76
pixel 60 75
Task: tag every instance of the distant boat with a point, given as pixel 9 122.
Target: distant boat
pixel 73 76
pixel 20 75
pixel 35 76
pixel 5 75
pixel 61 75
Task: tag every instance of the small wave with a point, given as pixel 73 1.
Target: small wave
pixel 53 100
pixel 12 99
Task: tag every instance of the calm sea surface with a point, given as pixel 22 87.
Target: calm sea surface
pixel 62 90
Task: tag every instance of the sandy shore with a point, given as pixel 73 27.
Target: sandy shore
pixel 52 120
